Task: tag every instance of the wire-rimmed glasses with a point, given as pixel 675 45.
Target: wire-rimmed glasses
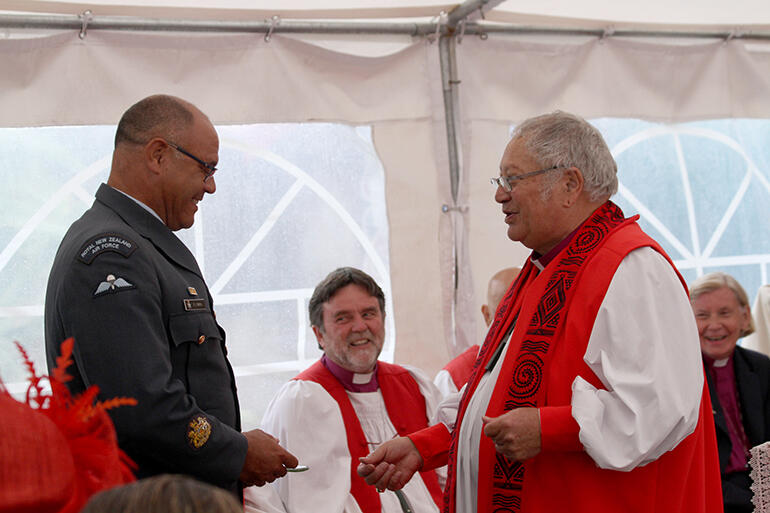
pixel 507 182
pixel 208 169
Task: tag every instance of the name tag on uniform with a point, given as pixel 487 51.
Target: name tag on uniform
pixel 192 305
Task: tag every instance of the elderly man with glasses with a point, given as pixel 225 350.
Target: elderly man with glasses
pixel 588 393
pixel 134 299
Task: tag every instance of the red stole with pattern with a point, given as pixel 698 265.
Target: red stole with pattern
pixel 406 409
pixel 501 480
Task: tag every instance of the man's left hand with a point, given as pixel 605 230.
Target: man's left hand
pixel 516 434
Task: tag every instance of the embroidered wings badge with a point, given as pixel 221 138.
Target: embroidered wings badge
pixel 112 284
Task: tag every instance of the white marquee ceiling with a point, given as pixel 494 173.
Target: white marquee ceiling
pixel 738 14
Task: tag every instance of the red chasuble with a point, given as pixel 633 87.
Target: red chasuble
pixel 546 354
pixel 406 409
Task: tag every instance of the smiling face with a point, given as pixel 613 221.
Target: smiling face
pixel 530 208
pixel 353 329
pixel 721 320
pixel 182 185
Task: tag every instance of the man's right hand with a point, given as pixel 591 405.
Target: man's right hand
pixel 391 465
pixel 266 460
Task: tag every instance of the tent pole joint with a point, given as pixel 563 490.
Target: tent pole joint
pixel 85 18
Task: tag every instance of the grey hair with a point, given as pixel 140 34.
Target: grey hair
pixel 563 139
pixel 716 280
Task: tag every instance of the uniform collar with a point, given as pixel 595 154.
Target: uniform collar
pixel 148 209
pixel 148 226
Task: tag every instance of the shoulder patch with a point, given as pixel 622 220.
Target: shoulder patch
pixel 198 431
pixel 105 242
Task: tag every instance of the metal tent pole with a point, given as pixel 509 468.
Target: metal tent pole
pixel 296 26
pixel 449 86
pixel 276 25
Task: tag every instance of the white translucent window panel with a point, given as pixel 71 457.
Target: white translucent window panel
pixel 293 202
pixel 702 190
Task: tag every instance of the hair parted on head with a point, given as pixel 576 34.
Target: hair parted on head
pixel 55 450
pixel 566 140
pixel 710 282
pixel 159 115
pixel 336 280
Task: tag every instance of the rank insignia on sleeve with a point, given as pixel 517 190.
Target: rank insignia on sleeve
pixel 112 284
pixel 198 431
pixel 103 243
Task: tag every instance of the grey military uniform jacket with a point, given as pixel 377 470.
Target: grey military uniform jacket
pixel 132 296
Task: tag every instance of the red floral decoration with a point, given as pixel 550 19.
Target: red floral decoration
pixel 57 462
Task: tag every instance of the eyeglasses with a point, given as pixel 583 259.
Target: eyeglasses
pixel 208 169
pixel 507 182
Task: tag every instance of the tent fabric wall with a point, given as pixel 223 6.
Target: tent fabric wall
pixel 508 79
pixel 60 80
pixel 745 14
pixel 236 78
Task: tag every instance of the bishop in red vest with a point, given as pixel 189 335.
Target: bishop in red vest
pixel 588 393
pixel 346 405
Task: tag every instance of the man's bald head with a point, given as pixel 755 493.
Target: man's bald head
pixel 165 150
pixel 496 289
pixel 159 115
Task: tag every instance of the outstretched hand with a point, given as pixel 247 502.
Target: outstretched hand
pixel 516 433
pixel 266 460
pixel 391 465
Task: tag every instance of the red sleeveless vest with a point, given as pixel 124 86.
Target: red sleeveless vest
pixel 460 367
pixel 545 356
pixel 406 409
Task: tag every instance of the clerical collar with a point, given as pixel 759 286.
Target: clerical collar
pixel 541 261
pixel 717 363
pixel 350 380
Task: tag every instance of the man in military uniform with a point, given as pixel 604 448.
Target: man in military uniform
pixel 132 295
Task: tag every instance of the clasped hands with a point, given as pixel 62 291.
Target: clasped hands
pixel 516 435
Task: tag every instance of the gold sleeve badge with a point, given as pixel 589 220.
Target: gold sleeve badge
pixel 198 432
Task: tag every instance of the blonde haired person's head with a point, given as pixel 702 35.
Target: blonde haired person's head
pixel 722 313
pixel 165 493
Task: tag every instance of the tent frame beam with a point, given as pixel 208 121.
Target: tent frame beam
pixel 275 26
pixel 296 26
pixel 450 81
